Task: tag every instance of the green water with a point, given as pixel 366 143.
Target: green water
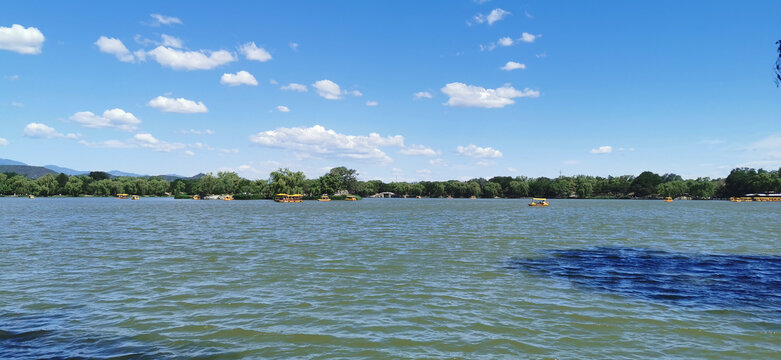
pixel 378 278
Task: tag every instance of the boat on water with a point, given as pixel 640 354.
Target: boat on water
pixel 122 196
pixel 289 198
pixel 227 197
pixel 668 199
pixel 473 197
pixel 350 198
pixel 539 202
pixel 31 196
pixel 196 197
pixel 418 197
pixel 135 197
pixel 324 198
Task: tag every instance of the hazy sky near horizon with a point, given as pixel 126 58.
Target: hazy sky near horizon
pixel 400 90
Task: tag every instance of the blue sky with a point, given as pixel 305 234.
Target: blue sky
pixel 399 90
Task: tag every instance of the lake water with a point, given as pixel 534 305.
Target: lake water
pixel 389 278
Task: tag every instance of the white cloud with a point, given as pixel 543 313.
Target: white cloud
pixel 188 60
pixel 189 153
pixel 489 47
pixel 422 94
pixel 252 52
pixel 282 108
pixel 142 140
pixel 328 89
pixel 41 131
pixel 353 92
pixel 478 152
pixel 528 38
pixel 116 118
pixel 438 162
pixel 273 82
pixel 317 140
pixel 164 20
pixel 196 132
pixel 508 41
pixel 115 47
pixel 372 103
pixel 171 41
pixel 475 96
pixel 114 144
pixel 602 150
pixel 541 55
pixel 485 163
pixel 17 38
pixel 512 65
pixel 178 105
pixel 293 46
pixel 146 140
pixel 495 15
pixel 16 104
pixel 505 41
pixel 13 77
pixel 239 78
pixel 294 87
pixel 4 142
pixel 420 150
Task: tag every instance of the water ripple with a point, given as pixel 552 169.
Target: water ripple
pixel 686 279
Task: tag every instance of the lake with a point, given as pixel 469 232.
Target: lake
pixel 388 278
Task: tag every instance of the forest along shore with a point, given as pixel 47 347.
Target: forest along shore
pixel 341 180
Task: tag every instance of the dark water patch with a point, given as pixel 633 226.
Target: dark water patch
pixel 685 279
pixel 54 344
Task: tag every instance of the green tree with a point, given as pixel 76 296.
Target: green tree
pixel 672 189
pixel 99 175
pixel 230 181
pixel 492 189
pixel 5 188
pixel 62 179
pixel 702 188
pixel 346 178
pixel 562 187
pixel 645 184
pixel 286 181
pixel 73 186
pixel 48 184
pixel 519 188
pixel 583 187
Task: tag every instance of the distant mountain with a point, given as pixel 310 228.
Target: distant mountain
pixel 7 165
pixel 10 162
pixel 32 172
pixel 65 170
pixel 122 173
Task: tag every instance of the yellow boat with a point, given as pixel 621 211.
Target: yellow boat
pixel 324 198
pixel 286 198
pixel 473 197
pixel 122 196
pixel 135 197
pixel 668 199
pixel 539 202
pixel 196 197
pixel 418 197
pixel 227 197
pixel 350 198
pixel 31 196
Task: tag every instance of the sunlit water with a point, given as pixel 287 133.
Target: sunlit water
pixel 388 278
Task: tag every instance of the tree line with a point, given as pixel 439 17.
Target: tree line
pixel 341 180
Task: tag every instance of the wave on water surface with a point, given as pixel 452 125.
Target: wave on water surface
pixel 685 279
